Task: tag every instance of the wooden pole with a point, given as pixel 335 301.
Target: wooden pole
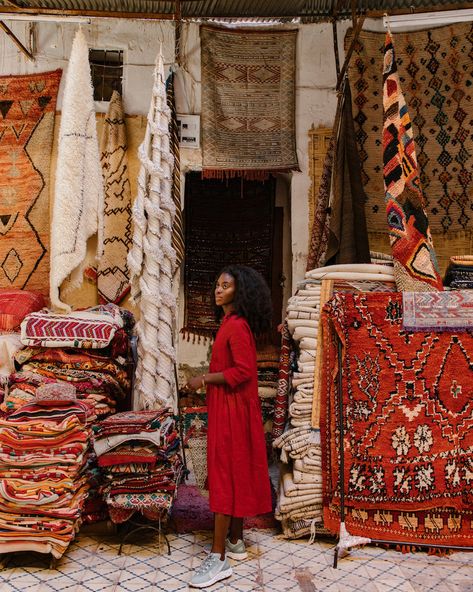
pixel 356 34
pixel 16 41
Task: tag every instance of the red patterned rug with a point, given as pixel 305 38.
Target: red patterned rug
pixel 27 108
pixel 408 415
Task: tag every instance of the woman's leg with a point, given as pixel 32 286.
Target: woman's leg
pixel 236 530
pixel 221 526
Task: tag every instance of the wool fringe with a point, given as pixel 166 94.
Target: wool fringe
pixel 197 335
pixel 247 174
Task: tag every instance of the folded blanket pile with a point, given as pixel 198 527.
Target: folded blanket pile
pixel 138 453
pixel 300 491
pixel 44 454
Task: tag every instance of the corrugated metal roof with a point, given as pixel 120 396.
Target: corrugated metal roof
pixel 307 9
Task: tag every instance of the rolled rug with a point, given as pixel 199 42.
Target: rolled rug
pixel 301 332
pixel 292 489
pixel 300 421
pixel 346 268
pixel 300 477
pixel 309 343
pixel 306 367
pixel 299 314
pixel 307 356
pixel 305 465
pixel 291 435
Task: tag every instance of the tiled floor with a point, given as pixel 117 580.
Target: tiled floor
pixel 93 565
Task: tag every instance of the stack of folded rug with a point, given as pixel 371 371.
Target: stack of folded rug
pixel 138 452
pixel 459 274
pixel 44 450
pixel 86 348
pixel 300 492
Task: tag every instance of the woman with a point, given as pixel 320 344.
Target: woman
pixel 238 476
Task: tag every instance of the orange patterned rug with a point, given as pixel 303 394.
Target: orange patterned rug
pixel 27 108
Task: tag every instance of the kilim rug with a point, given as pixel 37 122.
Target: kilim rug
pixel 113 278
pixel 435 71
pixel 320 228
pixel 408 417
pixel 415 263
pixel 438 311
pixel 320 141
pixel 248 102
pixel 226 222
pixel 27 108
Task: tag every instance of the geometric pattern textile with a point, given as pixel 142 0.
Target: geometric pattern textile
pixel 93 328
pixel 435 69
pixel 459 273
pixel 438 311
pixel 408 416
pixel 320 139
pixel 248 102
pixel 281 404
pixel 226 222
pixel 27 108
pixel 112 270
pixel 320 196
pixel 415 264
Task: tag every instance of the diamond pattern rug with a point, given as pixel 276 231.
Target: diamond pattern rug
pixel 435 71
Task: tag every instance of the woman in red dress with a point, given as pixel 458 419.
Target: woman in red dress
pixel 238 477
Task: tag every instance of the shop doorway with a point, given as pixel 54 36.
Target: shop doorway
pixel 230 221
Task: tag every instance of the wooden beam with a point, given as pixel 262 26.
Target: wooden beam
pixel 416 9
pixel 353 13
pixel 91 13
pixel 11 3
pixel 356 34
pixel 16 41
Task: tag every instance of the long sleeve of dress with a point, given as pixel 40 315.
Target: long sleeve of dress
pixel 240 343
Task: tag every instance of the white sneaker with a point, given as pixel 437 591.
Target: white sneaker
pixel 212 570
pixel 235 550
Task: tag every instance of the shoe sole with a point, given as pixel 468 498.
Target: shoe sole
pixel 237 556
pixel 220 576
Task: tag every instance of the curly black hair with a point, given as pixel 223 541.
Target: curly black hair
pixel 252 298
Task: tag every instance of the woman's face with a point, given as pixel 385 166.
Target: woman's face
pixel 225 290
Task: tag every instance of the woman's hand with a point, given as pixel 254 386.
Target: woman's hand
pixel 195 383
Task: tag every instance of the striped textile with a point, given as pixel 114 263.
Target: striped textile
pixel 93 328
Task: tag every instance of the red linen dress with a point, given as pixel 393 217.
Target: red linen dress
pixel 238 475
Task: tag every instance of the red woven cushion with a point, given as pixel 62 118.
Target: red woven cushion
pixel 15 305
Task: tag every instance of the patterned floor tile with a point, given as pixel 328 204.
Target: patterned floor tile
pixel 92 564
